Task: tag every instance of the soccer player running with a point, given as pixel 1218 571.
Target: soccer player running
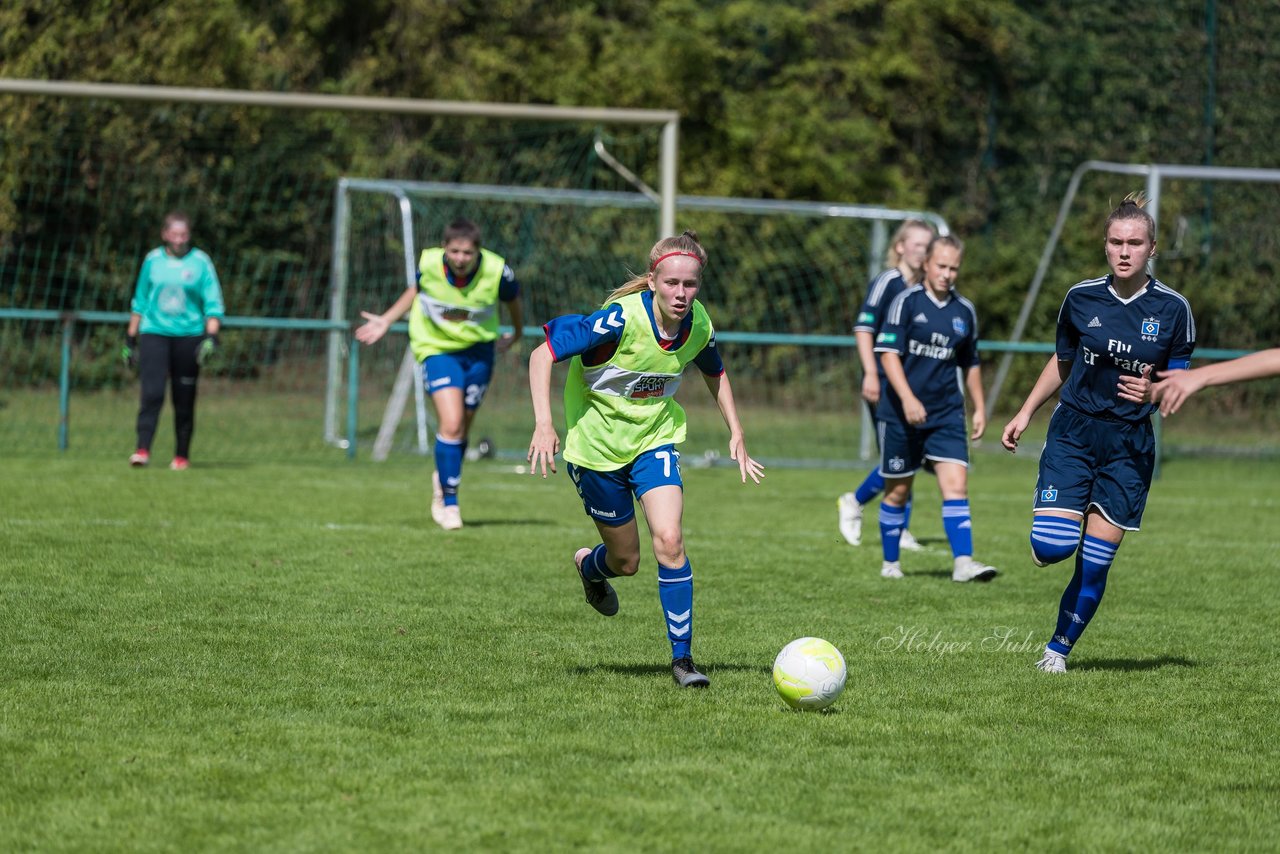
pixel 174 320
pixel 905 260
pixel 930 335
pixel 453 332
pixel 624 424
pixel 1095 471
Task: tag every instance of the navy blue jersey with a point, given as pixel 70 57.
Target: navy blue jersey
pixel 1105 338
pixel 595 337
pixel 880 293
pixel 933 339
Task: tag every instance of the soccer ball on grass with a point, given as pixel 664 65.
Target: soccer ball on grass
pixel 809 674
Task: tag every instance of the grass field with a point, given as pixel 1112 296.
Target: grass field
pixel 292 657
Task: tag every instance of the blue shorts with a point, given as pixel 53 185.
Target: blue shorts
pixel 469 370
pixel 904 448
pixel 606 495
pixel 1091 462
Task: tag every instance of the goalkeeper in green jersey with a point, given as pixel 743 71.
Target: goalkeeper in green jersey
pixel 624 425
pixel 175 317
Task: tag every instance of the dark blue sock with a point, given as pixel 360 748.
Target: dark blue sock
pixel 959 527
pixel 595 566
pixel 870 487
pixel 1083 595
pixel 906 513
pixel 1054 538
pixel 675 590
pixel 891 521
pixel 449 467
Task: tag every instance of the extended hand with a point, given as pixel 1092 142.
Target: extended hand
pixel 542 450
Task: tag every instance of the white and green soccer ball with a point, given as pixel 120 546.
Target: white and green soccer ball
pixel 809 674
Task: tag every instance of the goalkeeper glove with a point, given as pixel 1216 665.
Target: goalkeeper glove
pixel 207 350
pixel 129 352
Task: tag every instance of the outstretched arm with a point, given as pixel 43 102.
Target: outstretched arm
pixel 722 391
pixel 545 442
pixel 1176 386
pixel 1051 379
pixel 376 325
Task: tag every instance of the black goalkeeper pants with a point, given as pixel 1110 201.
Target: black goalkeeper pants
pixel 161 358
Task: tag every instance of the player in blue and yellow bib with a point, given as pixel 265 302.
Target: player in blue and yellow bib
pixel 929 337
pixel 453 332
pixel 174 320
pixel 1099 455
pixel 624 424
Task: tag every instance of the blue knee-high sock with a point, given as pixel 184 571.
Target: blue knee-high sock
pixel 959 527
pixel 870 487
pixel 675 590
pixel 892 520
pixel 595 566
pixel 1083 595
pixel 449 467
pixel 1054 538
pixel 906 513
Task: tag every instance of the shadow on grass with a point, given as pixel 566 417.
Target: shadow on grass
pixel 664 669
pixel 504 523
pixel 1133 664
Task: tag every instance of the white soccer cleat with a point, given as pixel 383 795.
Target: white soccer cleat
pixel 891 569
pixel 1052 662
pixel 437 500
pixel 850 512
pixel 968 569
pixel 450 517
pixel 908 542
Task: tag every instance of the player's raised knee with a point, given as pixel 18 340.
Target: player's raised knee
pixel 1053 539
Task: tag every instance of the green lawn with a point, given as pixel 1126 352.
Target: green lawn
pixel 292 657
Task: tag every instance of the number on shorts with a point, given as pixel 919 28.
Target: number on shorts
pixel 666 456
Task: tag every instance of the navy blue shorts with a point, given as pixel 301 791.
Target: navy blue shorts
pixel 469 369
pixel 1091 462
pixel 606 495
pixel 903 448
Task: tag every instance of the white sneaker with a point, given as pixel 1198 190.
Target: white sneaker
pixel 1052 662
pixel 437 500
pixel 891 569
pixel 450 517
pixel 968 569
pixel 850 513
pixel 909 542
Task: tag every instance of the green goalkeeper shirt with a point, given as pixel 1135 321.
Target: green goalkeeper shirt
pixel 175 295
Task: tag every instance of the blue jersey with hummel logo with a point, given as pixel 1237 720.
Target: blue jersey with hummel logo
pixel 934 339
pixel 1105 338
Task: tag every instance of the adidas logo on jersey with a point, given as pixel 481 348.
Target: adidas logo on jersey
pixel 1095 323
pixel 920 318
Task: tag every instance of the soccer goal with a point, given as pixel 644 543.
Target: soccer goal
pixel 783 283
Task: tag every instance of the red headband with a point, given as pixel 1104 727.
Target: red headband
pixel 662 258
